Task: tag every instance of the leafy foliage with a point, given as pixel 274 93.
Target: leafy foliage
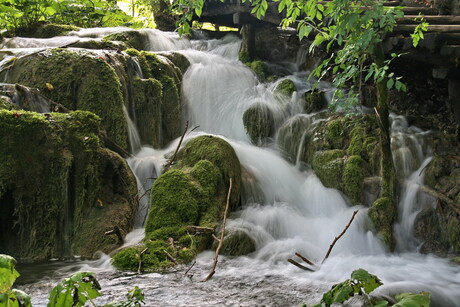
pixel 75 290
pixel 8 274
pixel 363 283
pixel 16 14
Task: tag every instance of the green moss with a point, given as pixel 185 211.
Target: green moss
pixel 314 101
pixel 237 243
pixel 353 176
pixel 133 39
pixel 207 175
pixel 79 80
pixel 173 201
pixel 335 133
pixel 219 153
pixel 456 260
pixel 164 233
pixel 56 164
pixel 127 259
pixel 453 234
pixel 285 88
pixel 294 133
pixel 178 59
pixel 383 215
pixel 259 68
pixel 259 122
pixel 171 110
pixel 244 57
pixel 5 103
pixel 147 104
pixel 51 30
pixel 328 166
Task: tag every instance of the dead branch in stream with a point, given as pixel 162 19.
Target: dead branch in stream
pixel 339 236
pixel 140 260
pixel 115 231
pixel 438 195
pixel 304 259
pixel 171 161
pixel 216 257
pixel 299 265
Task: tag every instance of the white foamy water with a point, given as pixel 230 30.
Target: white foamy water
pixel 297 213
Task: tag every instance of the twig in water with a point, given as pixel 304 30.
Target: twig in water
pixel 188 270
pixel 339 236
pixel 299 265
pixel 171 161
pixel 140 260
pixel 216 257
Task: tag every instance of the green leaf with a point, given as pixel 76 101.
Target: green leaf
pixel 390 83
pixel 381 304
pixel 339 293
pixel 74 291
pixel 8 273
pixel 23 298
pixel 413 300
pixel 366 280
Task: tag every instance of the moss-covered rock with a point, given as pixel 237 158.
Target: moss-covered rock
pixel 285 88
pixel 353 177
pixel 56 165
pixel 6 103
pixel 328 166
pixel 237 243
pixel 219 153
pixel 177 59
pixel 50 30
pixel 259 68
pixel 77 80
pixel 314 101
pixel 259 123
pixel 294 133
pixel 193 193
pixel 335 133
pixel 383 215
pixel 174 201
pixel 133 39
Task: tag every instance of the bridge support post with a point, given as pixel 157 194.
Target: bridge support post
pixel 248 43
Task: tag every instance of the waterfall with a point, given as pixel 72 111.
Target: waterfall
pixel 286 208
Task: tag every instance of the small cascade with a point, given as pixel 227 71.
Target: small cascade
pixel 411 156
pixel 25 98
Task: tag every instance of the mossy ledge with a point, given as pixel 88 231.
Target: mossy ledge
pixel 60 189
pixel 192 193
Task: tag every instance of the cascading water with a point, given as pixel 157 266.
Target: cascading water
pixel 287 209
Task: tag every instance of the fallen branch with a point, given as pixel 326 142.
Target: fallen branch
pixel 198 230
pixel 304 259
pixel 170 257
pixel 140 260
pixel 340 235
pixel 299 265
pixel 171 161
pixel 455 206
pixel 115 231
pixel 216 257
pixel 188 270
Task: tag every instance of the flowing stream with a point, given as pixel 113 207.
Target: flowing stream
pixel 286 208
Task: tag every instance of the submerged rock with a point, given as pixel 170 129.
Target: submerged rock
pixel 259 123
pixel 314 101
pixel 60 189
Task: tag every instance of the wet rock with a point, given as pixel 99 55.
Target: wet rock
pixel 383 215
pixel 371 189
pixel 314 101
pixel 293 134
pixel 237 243
pixel 192 193
pixel 133 39
pixel 78 189
pixel 328 166
pixel 259 123
pixel 285 88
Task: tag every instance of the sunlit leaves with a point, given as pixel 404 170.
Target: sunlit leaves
pixel 8 273
pixel 75 290
pixel 413 300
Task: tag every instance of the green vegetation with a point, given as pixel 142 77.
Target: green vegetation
pixel 285 88
pixel 259 122
pixel 42 158
pixel 192 193
pixel 362 283
pixel 22 16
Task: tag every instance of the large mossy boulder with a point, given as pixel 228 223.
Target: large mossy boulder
pixel 292 135
pixel 315 101
pixel 60 189
pixel 133 39
pixel 383 216
pixel 192 193
pixel 237 243
pixel 78 80
pixel 285 88
pixel 259 123
pixel 438 227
